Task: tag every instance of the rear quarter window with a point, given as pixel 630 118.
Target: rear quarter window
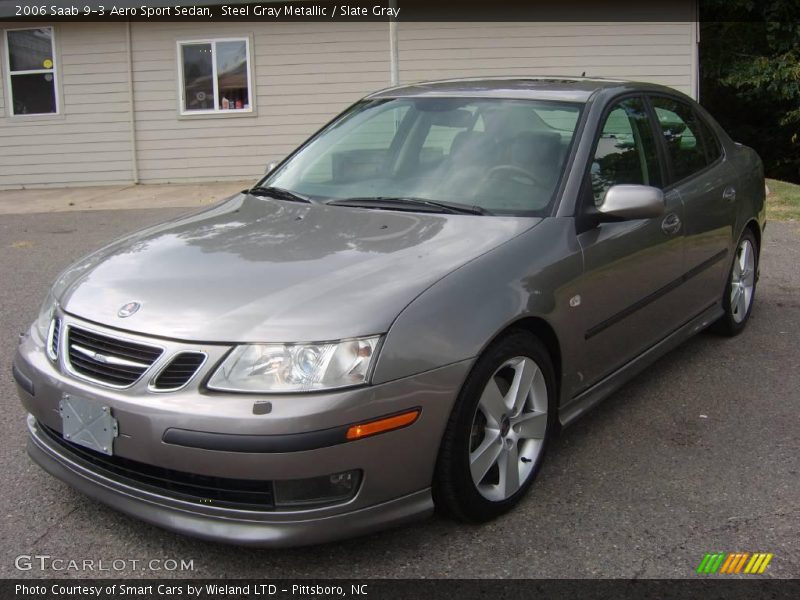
pixel 682 131
pixel 712 144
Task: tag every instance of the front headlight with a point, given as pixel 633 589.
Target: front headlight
pixel 296 367
pixel 46 312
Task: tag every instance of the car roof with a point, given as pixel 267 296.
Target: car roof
pixel 565 89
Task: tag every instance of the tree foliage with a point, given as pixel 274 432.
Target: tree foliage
pixel 750 76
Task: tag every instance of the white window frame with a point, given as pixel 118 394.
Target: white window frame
pixel 217 110
pixel 53 71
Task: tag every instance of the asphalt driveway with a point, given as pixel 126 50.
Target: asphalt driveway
pixel 699 454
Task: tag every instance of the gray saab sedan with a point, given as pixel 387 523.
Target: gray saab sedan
pixel 400 315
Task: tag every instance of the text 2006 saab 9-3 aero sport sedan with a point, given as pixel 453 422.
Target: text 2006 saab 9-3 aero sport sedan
pixel 397 317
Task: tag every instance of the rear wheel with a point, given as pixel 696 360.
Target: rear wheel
pixel 496 438
pixel 737 300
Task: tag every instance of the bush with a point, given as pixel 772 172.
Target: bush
pixel 750 77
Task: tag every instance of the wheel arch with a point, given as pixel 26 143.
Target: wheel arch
pixel 753 226
pixel 544 331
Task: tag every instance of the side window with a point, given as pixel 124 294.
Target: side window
pixel 30 64
pixel 681 131
pixel 626 151
pixel 712 143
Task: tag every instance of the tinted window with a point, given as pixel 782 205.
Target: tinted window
pixel 710 139
pixel 361 154
pixel 626 151
pixel 504 155
pixel 442 132
pixel 681 130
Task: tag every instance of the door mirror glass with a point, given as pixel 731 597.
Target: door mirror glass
pixel 632 202
pixel 270 167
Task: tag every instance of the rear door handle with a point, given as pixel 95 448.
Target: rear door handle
pixel 729 194
pixel 671 224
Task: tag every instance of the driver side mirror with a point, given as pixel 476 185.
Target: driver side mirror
pixel 632 202
pixel 270 167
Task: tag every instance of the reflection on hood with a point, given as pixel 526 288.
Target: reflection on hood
pixel 254 269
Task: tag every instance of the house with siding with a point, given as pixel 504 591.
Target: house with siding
pixel 92 103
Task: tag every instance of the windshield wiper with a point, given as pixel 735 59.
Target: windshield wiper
pixel 389 203
pixel 277 193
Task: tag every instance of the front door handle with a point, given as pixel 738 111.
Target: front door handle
pixel 729 194
pixel 671 224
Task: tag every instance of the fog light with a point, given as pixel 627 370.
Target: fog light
pixel 327 489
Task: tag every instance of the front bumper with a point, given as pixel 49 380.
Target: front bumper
pixel 282 530
pixel 397 467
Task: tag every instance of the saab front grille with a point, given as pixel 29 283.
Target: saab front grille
pixel 55 336
pixel 246 494
pixel 106 359
pixel 179 371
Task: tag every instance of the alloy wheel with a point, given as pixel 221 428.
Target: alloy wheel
pixel 743 278
pixel 508 429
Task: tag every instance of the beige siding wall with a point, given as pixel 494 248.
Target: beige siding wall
pixel 89 142
pixel 655 52
pixel 305 73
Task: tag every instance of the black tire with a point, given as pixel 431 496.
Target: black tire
pixel 728 324
pixel 454 492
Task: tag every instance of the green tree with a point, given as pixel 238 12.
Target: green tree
pixel 750 76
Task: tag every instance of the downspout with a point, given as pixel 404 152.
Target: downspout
pixel 696 53
pixel 394 56
pixel 134 153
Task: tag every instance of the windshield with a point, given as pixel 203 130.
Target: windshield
pixel 504 156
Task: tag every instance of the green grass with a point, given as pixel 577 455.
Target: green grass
pixel 783 202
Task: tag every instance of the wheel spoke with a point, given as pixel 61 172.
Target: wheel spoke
pixel 539 392
pixel 524 373
pixel 736 292
pixel 531 425
pixel 485 455
pixel 743 256
pixel 741 303
pixel 492 403
pixel 736 274
pixel 509 471
pixel 749 270
pixel 749 277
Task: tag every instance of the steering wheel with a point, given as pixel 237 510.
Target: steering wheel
pixel 514 171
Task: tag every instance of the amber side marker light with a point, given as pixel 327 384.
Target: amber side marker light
pixel 362 430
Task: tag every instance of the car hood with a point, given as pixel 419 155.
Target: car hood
pixel 257 270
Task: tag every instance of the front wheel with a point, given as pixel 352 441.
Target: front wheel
pixel 740 290
pixel 496 438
